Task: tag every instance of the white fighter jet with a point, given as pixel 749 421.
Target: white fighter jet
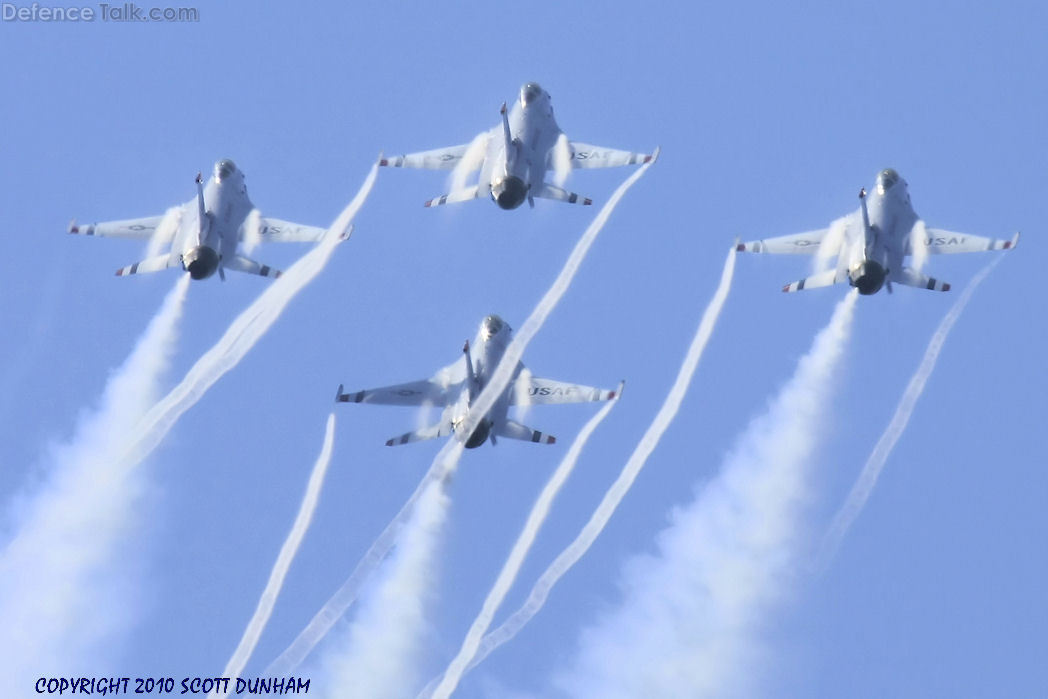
pixel 513 158
pixel 455 388
pixel 871 244
pixel 202 235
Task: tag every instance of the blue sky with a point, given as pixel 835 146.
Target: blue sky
pixel 770 119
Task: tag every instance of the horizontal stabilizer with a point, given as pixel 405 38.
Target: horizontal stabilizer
pixel 454 197
pixel 514 430
pixel 548 191
pixel 239 263
pixel 431 432
pixel 152 264
pixel 827 278
pixel 912 278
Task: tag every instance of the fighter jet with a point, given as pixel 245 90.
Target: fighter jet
pixel 871 244
pixel 456 387
pixel 203 234
pixel 516 156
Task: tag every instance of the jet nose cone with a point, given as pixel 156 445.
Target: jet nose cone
pixel 529 93
pixel 492 325
pixel 224 168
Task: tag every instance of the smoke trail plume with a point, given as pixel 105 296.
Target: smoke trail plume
pixel 59 602
pixel 860 492
pixel 257 625
pixel 441 469
pixel 833 244
pixel 511 568
pixel 165 231
pixel 504 372
pixel 919 245
pixel 577 548
pixel 471 160
pixel 252 231
pixel 690 612
pixel 561 160
pixel 379 656
pixel 344 597
pixel 242 335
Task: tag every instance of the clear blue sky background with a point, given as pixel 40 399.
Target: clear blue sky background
pixel 770 117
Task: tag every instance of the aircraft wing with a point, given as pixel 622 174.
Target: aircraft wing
pixel 797 244
pixel 277 231
pixel 134 228
pixel 532 390
pixel 437 159
pixel 426 392
pixel 940 242
pixel 583 155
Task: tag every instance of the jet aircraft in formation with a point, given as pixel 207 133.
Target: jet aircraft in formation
pixel 456 387
pixel 517 155
pixel 871 244
pixel 203 234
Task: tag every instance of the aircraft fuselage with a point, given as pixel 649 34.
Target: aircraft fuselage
pixel 490 346
pixel 519 150
pixel 225 208
pixel 871 257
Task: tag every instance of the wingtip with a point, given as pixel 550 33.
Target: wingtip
pixel 740 247
pixel 1008 245
pixel 339 394
pixel 389 442
pixel 73 228
pixel 552 439
pixel 654 156
pixel 946 286
pixel 786 289
pixel 587 201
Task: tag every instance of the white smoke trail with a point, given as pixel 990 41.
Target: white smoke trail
pixel 471 160
pixel 257 625
pixel 561 160
pixel 504 372
pixel 346 595
pixel 863 487
pixel 252 227
pixel 511 567
pixel 577 548
pixel 442 468
pixel 165 231
pixel 919 245
pixel 60 605
pixel 690 613
pixel 379 655
pixel 833 244
pixel 242 334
